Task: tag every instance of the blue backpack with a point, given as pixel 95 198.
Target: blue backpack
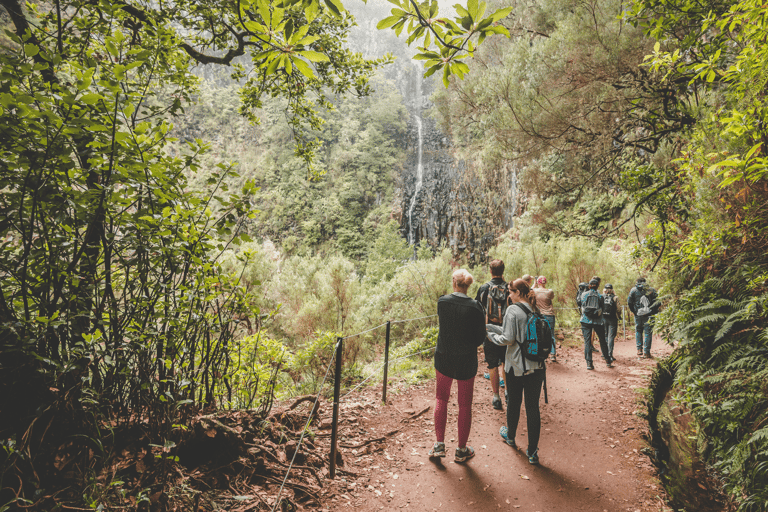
pixel 538 336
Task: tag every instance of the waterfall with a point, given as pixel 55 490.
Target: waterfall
pixel 419 181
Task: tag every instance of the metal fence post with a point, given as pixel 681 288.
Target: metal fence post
pixel 386 365
pixel 336 393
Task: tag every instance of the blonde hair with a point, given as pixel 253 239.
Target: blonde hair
pixel 462 279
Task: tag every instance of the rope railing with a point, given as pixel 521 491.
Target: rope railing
pixel 376 371
pixel 364 332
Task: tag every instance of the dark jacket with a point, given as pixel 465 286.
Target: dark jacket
pixel 482 293
pixel 633 299
pixel 584 318
pixel 617 314
pixel 462 330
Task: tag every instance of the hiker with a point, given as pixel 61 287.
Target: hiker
pixel 611 317
pixel 494 298
pixel 528 280
pixel 643 304
pixel 579 292
pixel 544 298
pixel 461 330
pixel 592 321
pixel 524 376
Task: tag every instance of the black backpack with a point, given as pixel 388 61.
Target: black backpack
pixel 496 303
pixel 590 305
pixel 609 305
pixel 538 336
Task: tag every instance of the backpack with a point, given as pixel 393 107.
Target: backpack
pixel 538 337
pixel 497 302
pixel 645 307
pixel 579 293
pixel 609 305
pixel 590 305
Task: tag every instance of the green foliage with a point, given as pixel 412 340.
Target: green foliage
pixel 723 371
pixel 452 38
pixel 258 366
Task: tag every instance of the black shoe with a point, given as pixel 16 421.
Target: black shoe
pixel 497 404
pixel 590 367
pixel 608 364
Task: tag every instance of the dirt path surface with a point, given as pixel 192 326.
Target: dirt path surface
pixel 591 447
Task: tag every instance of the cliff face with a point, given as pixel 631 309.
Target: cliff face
pixel 442 202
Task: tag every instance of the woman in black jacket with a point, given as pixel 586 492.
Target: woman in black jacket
pixel 462 330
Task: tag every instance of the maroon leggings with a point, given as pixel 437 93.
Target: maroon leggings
pixel 442 394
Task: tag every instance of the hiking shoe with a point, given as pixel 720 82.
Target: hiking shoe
pixel 438 450
pixel 504 433
pixel 590 367
pixel 463 454
pixel 554 358
pixel 639 353
pixel 497 404
pixel 608 364
pixel 487 375
pixel 533 458
pixel 647 356
pixel 501 383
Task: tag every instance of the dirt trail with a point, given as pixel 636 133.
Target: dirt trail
pixel 590 448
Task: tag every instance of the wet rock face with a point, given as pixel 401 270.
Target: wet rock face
pixel 686 479
pixel 446 209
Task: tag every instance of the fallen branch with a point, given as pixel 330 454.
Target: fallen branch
pixel 416 414
pixel 300 487
pixel 383 438
pixel 301 400
pixel 274 457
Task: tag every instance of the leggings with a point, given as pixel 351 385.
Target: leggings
pixel 528 386
pixel 442 394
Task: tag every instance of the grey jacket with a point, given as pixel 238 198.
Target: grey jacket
pixel 511 334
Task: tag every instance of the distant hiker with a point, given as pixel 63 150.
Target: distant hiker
pixel 592 321
pixel 583 287
pixel 544 298
pixel 524 376
pixel 611 317
pixel 461 331
pixel 494 297
pixel 642 302
pixel 528 280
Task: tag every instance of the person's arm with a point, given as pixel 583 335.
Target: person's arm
pixel 478 329
pixel 507 335
pixel 481 299
pixel 631 301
